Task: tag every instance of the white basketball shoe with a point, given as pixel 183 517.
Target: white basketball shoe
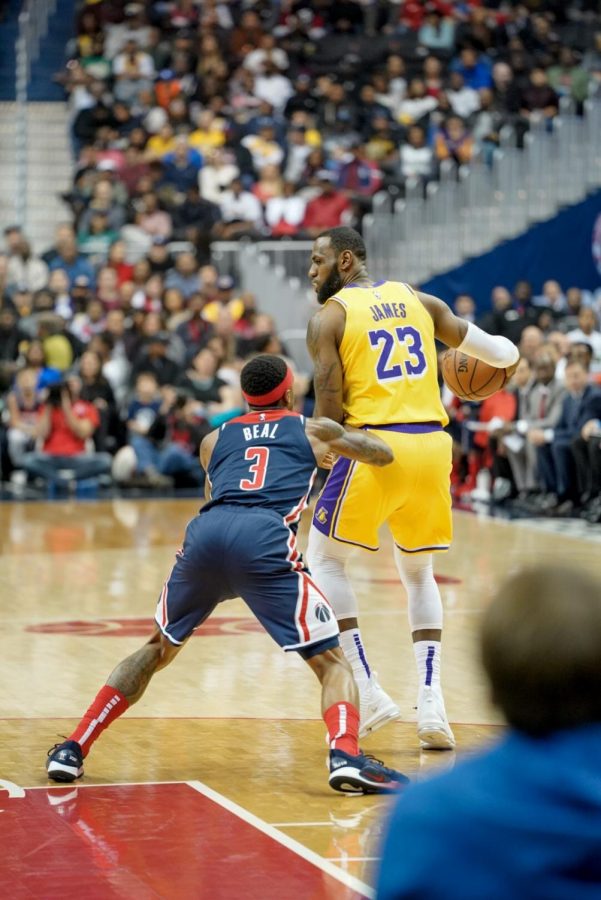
pixel 376 708
pixel 433 729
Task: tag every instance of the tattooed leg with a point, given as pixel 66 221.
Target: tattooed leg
pixel 132 675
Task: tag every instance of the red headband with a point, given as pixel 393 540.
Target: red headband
pixel 273 396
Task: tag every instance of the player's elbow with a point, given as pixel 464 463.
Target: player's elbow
pixel 383 457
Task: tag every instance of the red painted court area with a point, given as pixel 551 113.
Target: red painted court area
pixel 146 841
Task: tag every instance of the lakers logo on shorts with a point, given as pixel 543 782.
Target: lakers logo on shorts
pixel 322 515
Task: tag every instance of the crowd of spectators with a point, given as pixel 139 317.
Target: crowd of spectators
pixel 118 371
pixel 535 446
pixel 197 120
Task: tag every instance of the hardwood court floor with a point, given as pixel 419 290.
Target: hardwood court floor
pixel 214 784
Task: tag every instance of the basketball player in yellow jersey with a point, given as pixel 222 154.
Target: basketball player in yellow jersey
pixel 375 361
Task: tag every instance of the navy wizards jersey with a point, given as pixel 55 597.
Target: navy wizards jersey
pixel 263 459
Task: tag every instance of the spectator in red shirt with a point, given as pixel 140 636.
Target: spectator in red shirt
pixel 65 424
pixel 327 209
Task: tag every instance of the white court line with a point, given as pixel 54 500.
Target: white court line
pixel 325 865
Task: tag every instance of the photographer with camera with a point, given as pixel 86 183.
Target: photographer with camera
pixel 65 424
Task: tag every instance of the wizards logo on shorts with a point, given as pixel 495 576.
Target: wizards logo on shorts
pixel 322 613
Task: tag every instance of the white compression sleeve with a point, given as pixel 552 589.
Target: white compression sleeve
pixel 493 349
pixel 327 561
pixel 423 597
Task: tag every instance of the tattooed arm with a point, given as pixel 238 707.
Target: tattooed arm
pixel 326 436
pixel 324 334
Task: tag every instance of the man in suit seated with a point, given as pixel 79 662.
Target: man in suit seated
pixel 556 464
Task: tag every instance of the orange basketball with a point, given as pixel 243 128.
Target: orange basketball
pixel 469 378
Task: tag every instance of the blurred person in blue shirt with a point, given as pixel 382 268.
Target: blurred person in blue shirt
pixel 523 818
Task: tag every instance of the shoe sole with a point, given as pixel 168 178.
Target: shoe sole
pixel 435 739
pixel 348 780
pixel 379 720
pixel 63 774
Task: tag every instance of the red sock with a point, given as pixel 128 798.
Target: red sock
pixel 107 706
pixel 342 721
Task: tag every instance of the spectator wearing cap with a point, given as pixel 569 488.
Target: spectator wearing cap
pixel 241 211
pixel 185 276
pixel 152 357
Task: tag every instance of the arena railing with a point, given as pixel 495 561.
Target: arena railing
pixel 276 272
pixel 33 25
pixel 472 208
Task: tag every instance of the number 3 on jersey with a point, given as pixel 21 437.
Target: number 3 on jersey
pixel 258 469
pixel 384 341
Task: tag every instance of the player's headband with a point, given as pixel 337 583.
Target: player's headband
pixel 274 395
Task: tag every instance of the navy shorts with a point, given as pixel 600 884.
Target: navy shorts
pixel 231 552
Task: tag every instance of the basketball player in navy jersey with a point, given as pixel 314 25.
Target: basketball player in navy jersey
pixel 260 469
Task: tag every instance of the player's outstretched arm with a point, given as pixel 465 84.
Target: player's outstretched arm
pixel 327 436
pixel 493 349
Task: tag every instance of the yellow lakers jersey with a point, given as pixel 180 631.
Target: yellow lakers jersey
pixel 388 356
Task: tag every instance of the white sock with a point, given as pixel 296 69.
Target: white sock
pixel 352 645
pixel 427 660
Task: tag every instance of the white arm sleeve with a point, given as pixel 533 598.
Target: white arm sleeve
pixel 493 349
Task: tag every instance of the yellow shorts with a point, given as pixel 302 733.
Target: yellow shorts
pixel 412 495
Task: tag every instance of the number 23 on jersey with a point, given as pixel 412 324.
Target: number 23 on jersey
pixel 384 341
